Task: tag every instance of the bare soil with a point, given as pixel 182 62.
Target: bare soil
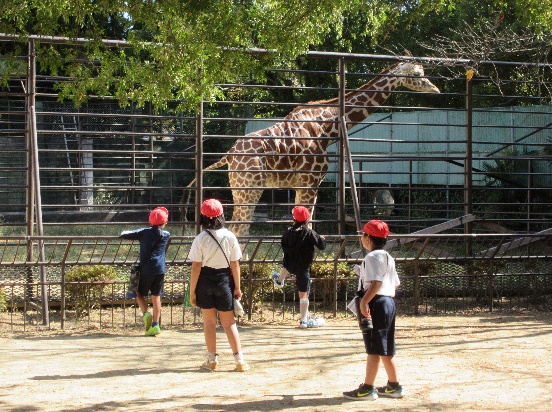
pixel 480 362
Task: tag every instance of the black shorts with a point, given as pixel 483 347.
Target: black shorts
pixel 151 283
pixel 215 289
pixel 302 279
pixel 381 339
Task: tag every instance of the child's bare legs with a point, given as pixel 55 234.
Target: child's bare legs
pixel 156 303
pixel 228 322
pixel 372 366
pixel 210 329
pixel 142 303
pixel 283 273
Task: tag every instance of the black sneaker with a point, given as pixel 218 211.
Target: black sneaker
pixel 362 393
pixel 389 392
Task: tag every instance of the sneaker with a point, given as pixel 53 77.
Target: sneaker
pixel 303 324
pixel 277 283
pixel 148 319
pixel 241 367
pixel 389 392
pixel 316 322
pixel 153 330
pixel 362 393
pixel 209 364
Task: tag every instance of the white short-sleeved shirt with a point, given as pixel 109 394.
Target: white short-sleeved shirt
pixel 379 265
pixel 205 250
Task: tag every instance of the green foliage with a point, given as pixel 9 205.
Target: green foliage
pixel 84 295
pixel 325 271
pixel 181 50
pixel 3 300
pixel 259 271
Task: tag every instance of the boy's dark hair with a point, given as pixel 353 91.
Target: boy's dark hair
pixel 378 242
pixel 212 222
pixel 297 225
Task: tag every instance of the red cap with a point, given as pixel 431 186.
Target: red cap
pixel 300 213
pixel 211 208
pixel 376 228
pixel 158 216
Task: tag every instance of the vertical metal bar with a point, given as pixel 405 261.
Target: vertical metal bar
pixel 199 166
pixel 30 101
pixel 352 182
pixel 529 197
pixel 40 228
pixel 468 165
pixel 63 270
pixel 340 151
pixel 469 155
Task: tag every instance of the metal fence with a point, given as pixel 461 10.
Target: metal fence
pixel 480 148
pixel 452 273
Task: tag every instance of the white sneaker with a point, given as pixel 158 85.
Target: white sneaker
pixel 210 364
pixel 303 324
pixel 241 366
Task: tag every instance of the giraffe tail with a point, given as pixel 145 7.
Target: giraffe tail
pixel 187 193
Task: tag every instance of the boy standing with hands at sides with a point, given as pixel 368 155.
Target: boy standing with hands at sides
pixel 153 245
pixel 298 243
pixel 379 277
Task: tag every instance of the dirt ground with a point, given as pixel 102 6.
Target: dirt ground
pixel 482 362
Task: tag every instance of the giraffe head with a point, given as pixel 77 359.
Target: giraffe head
pixel 413 77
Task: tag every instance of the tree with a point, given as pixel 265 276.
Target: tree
pixel 180 49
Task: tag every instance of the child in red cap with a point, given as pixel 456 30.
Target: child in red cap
pixel 153 245
pixel 298 242
pixel 379 280
pixel 215 282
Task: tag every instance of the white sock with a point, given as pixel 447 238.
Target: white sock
pixel 238 357
pixel 304 308
pixel 212 356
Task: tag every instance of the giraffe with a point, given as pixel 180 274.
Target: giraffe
pixel 289 154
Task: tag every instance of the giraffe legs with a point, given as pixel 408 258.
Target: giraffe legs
pixel 245 201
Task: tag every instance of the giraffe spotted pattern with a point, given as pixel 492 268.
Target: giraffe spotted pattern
pixel 292 153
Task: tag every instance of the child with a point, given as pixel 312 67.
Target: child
pixel 298 244
pixel 215 282
pixel 153 244
pixel 380 280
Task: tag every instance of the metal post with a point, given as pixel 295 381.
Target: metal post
pixel 340 153
pixel 199 166
pixel 40 229
pixel 30 101
pixel 469 141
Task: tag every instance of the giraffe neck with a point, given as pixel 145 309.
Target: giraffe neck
pixel 359 104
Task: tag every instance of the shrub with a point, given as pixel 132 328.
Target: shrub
pixel 84 295
pixel 3 299
pixel 260 271
pixel 325 270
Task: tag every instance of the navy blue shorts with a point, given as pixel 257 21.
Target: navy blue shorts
pixel 381 339
pixel 151 283
pixel 302 280
pixel 215 289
